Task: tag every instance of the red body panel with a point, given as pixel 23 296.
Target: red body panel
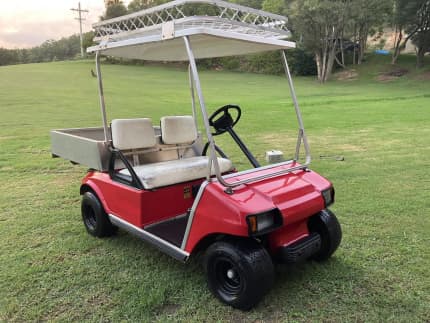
pixel 140 207
pixel 297 195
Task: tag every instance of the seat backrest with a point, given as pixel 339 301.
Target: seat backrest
pixel 177 130
pixel 133 133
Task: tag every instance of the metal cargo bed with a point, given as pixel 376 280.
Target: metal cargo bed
pixel 85 146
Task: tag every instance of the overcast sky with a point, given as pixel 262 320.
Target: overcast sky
pixel 27 23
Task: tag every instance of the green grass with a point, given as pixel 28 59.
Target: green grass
pixel 51 269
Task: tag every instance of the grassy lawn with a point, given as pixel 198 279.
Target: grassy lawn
pixel 51 269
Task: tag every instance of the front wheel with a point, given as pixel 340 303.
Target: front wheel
pixel 94 216
pixel 238 272
pixel 327 226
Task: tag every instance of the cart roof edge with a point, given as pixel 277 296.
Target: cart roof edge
pixel 156 33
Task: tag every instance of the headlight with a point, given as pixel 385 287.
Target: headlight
pixel 328 196
pixel 264 222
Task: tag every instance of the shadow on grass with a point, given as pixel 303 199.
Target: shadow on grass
pixel 158 287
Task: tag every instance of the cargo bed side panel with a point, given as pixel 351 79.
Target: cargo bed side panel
pixel 83 146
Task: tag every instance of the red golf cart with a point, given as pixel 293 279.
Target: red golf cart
pixel 172 186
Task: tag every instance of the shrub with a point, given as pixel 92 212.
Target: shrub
pixel 299 61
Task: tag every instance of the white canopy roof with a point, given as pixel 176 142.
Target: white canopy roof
pixel 156 33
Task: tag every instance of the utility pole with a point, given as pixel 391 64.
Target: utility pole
pixel 79 10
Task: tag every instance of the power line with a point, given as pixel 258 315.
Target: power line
pixel 79 10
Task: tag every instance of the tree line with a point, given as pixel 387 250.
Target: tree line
pixel 329 31
pixel 51 50
pixel 329 34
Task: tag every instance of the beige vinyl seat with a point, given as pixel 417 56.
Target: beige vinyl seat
pixel 177 131
pixel 133 134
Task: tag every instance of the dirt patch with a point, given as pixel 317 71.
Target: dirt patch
pixel 424 76
pixel 392 75
pixel 98 300
pixel 7 137
pixel 385 78
pixel 169 309
pixel 35 151
pixel 347 75
pixel 397 72
pixel 349 147
pixel 281 139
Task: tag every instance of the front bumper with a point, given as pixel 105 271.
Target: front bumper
pixel 300 250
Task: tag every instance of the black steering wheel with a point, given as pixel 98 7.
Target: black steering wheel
pixel 225 121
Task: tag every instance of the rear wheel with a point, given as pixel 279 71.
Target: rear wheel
pixel 328 227
pixel 239 272
pixel 94 216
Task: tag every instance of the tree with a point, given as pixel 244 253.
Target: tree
pixel 422 43
pixel 23 56
pixel 7 57
pixel 321 25
pixel 114 10
pixel 256 4
pixel 275 6
pixel 137 5
pixel 62 49
pixel 409 17
pixel 421 39
pixel 366 16
pixel 88 39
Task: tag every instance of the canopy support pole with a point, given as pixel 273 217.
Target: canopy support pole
pixel 302 134
pixel 195 76
pixel 102 98
pixel 193 98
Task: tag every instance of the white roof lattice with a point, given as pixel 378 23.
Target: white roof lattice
pixel 155 33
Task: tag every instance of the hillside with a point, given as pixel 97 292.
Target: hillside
pixel 52 270
pixel 379 68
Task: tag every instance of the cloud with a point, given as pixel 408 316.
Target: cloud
pixel 31 34
pixel 28 23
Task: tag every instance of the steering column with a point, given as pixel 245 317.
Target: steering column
pixel 222 121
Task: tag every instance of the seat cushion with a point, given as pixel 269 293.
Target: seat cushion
pixel 176 171
pixel 132 133
pixel 178 130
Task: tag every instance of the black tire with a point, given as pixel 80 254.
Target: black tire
pixel 238 272
pixel 328 227
pixel 94 216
